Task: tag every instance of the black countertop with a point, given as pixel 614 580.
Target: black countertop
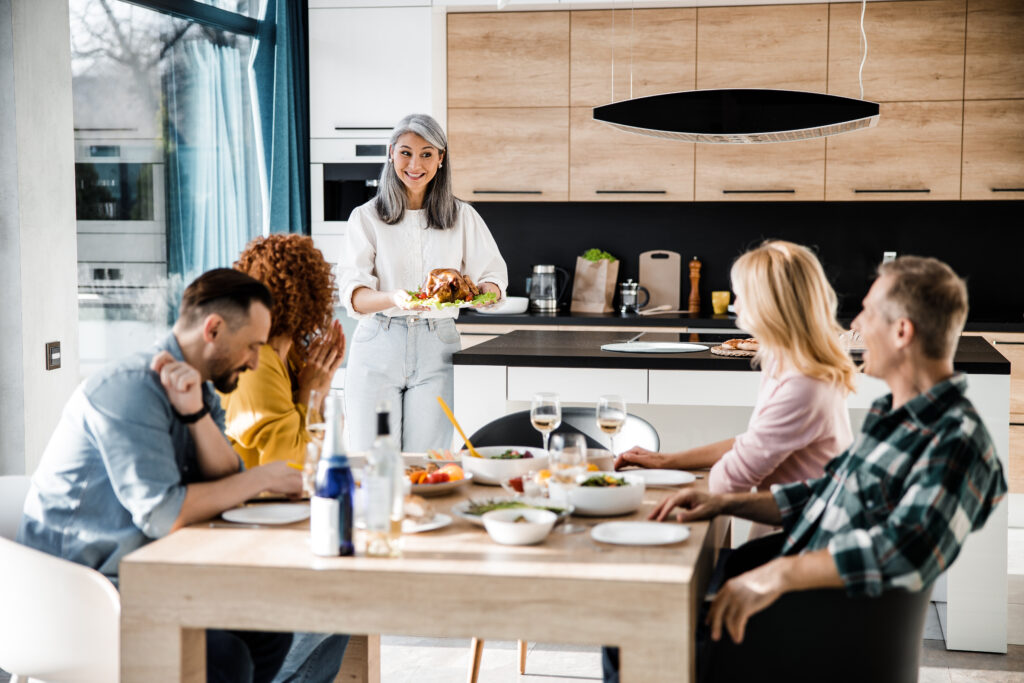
pixel 727 321
pixel 564 349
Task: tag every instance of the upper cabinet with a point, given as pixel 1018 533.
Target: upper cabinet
pixel 512 59
pixel 778 46
pixel 790 171
pixel 995 50
pixel 915 50
pixel 647 52
pixel 345 86
pixel 993 149
pixel 913 153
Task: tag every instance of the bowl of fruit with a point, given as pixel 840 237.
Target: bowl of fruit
pixel 431 480
pixel 499 463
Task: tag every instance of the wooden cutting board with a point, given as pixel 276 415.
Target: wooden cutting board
pixel 660 273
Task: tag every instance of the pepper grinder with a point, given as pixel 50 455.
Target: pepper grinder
pixel 694 302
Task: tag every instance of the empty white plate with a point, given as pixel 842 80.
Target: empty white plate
pixel 664 477
pixel 640 533
pixel 268 513
pixel 653 347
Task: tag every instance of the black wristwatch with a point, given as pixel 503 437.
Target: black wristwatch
pixel 194 417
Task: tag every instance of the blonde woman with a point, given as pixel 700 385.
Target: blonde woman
pixel 800 420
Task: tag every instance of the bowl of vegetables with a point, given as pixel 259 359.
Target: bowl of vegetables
pixel 500 463
pixel 605 494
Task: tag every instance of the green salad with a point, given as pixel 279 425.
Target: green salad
pixel 419 298
pixel 603 480
pixel 479 507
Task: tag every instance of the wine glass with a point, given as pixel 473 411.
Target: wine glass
pixel 568 460
pixel 545 414
pixel 611 415
pixel 316 426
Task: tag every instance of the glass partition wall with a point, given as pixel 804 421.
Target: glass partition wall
pixel 166 171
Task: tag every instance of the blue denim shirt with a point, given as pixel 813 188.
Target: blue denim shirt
pixel 114 473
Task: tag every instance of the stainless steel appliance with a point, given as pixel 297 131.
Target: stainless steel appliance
pixel 545 290
pixel 629 303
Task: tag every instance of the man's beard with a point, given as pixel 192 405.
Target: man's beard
pixel 224 377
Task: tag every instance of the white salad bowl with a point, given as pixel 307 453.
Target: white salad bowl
pixel 510 305
pixel 607 501
pixel 491 470
pixel 533 525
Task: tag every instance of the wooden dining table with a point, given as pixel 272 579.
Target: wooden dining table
pixel 450 582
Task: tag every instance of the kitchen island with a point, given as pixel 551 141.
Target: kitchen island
pixel 511 368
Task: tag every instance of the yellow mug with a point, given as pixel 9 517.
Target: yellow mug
pixel 720 302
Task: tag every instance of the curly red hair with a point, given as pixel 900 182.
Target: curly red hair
pixel 301 281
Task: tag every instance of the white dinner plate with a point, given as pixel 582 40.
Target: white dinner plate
pixel 653 347
pixel 640 533
pixel 438 521
pixel 663 477
pixel 459 510
pixel 268 513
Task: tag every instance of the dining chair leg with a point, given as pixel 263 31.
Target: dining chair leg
pixel 522 657
pixel 477 651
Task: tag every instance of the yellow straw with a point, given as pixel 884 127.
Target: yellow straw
pixel 448 412
pixel 296 466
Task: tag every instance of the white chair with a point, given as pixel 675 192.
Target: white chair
pixel 13 489
pixel 59 621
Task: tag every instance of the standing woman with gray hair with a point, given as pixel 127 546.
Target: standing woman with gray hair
pixel 413 226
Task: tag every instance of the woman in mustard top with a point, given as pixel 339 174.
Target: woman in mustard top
pixel 266 414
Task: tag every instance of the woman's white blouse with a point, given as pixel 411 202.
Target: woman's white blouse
pixel 400 256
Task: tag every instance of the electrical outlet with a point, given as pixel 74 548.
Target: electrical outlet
pixel 888 256
pixel 53 355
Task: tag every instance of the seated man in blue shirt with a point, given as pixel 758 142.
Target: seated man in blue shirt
pixel 893 511
pixel 140 452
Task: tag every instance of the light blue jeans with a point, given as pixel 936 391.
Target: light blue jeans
pixel 313 658
pixel 408 362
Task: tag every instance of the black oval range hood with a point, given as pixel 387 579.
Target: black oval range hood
pixel 739 115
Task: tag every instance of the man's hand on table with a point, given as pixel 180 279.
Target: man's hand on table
pixel 696 506
pixel 641 457
pixel 279 477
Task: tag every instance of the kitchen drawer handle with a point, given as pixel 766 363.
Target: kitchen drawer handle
pixel 630 192
pixel 924 191
pixel 758 191
pixel 1008 189
pixel 507 192
pixel 1009 343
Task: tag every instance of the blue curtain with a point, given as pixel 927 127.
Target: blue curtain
pixel 282 87
pixel 209 166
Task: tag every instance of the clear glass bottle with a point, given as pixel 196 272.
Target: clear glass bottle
pixel 385 491
pixel 330 526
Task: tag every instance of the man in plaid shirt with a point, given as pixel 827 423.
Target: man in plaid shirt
pixel 893 511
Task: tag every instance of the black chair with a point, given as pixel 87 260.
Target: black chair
pixel 822 635
pixel 515 429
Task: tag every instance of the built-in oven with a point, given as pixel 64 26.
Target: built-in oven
pixel 122 245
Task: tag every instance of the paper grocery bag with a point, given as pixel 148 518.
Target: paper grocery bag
pixel 593 286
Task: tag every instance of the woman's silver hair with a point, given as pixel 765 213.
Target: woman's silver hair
pixel 441 205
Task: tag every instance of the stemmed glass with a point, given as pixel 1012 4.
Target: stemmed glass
pixel 545 414
pixel 316 426
pixel 568 460
pixel 611 415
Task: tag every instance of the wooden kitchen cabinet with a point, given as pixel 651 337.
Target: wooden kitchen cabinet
pixel 511 154
pixel 994 65
pixel 792 171
pixel 779 46
pixel 1015 477
pixel 513 59
pixel 993 155
pixel 915 50
pixel 913 153
pixel 655 48
pixel 607 164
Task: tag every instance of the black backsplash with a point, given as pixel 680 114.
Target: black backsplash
pixel 982 241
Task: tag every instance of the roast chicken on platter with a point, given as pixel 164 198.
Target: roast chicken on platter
pixel 448 284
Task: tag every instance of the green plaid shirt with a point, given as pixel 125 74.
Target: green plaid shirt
pixel 895 508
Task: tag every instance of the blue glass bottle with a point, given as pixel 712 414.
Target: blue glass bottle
pixel 331 506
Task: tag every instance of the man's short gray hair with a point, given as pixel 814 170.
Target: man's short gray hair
pixel 927 292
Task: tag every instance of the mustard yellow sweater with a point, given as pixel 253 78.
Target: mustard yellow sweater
pixel 264 423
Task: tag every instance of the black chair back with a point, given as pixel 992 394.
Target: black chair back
pixel 515 429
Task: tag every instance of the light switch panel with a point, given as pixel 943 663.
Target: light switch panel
pixel 53 355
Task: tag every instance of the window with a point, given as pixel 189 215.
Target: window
pixel 166 172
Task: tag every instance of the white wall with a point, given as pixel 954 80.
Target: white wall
pixel 38 270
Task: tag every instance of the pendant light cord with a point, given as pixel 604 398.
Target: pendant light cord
pixel 613 50
pixel 864 55
pixel 630 49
